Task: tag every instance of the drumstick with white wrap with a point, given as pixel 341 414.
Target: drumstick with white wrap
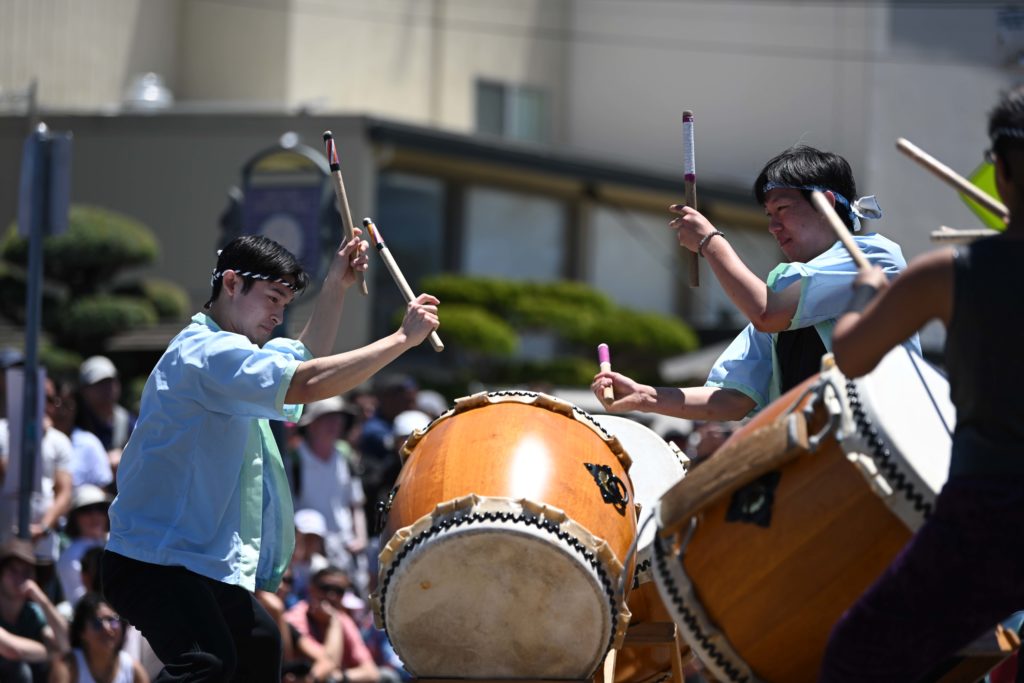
pixel 953 178
pixel 339 192
pixel 828 211
pixel 690 186
pixel 604 359
pixel 396 274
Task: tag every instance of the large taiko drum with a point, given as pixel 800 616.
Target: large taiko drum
pixel 509 526
pixel 761 549
pixel 656 466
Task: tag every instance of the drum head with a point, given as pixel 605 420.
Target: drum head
pixel 656 466
pixel 903 418
pixel 539 609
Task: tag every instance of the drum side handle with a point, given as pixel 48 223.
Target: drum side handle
pixel 737 463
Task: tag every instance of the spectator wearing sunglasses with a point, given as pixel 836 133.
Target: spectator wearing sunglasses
pixel 335 647
pixel 97 639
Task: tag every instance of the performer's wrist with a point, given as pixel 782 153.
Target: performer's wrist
pixel 707 238
pixel 862 296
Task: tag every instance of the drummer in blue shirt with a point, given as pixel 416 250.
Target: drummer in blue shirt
pixel 792 314
pixel 204 515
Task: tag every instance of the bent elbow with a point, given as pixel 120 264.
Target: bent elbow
pixel 769 324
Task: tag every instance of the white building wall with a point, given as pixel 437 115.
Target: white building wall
pixel 84 52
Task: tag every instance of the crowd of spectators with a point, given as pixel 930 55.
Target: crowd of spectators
pixel 342 458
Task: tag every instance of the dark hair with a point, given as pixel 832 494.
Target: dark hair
pixel 85 611
pixel 1008 113
pixel 330 570
pixel 800 166
pixel 91 560
pixel 257 254
pixel 72 529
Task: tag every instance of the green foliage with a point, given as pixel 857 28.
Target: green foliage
pixel 97 244
pixel 59 362
pixel 89 320
pixel 478 331
pixel 578 316
pixel 170 301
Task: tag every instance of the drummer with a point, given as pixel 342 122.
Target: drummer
pixel 962 571
pixel 792 314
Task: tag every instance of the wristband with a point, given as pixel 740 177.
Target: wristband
pixel 707 238
pixel 862 296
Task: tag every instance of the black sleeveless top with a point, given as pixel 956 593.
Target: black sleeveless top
pixel 799 353
pixel 985 356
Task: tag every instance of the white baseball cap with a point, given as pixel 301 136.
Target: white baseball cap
pixel 310 521
pixel 409 421
pixel 96 369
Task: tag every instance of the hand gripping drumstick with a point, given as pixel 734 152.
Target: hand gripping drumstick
pixel 605 361
pixel 339 192
pixel 396 274
pixel 690 187
pixel 828 211
pixel 953 178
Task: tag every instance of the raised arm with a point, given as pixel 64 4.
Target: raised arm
pixel 767 310
pixel 924 291
pixel 321 329
pixel 328 376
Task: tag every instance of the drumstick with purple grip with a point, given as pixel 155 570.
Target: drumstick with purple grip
pixel 396 274
pixel 604 359
pixel 339 192
pixel 690 186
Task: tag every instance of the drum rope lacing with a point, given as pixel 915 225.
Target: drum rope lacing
pixel 460 519
pixel 576 411
pixel 690 619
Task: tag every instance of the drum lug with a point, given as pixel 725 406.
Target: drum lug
pixel 826 394
pixel 383 508
pixel 753 503
pixel 613 491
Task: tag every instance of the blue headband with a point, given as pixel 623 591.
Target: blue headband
pixel 865 207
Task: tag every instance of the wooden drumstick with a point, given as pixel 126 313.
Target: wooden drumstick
pixel 953 178
pixel 842 232
pixel 690 187
pixel 396 274
pixel 339 192
pixel 604 359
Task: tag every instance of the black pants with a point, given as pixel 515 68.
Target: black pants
pixel 201 629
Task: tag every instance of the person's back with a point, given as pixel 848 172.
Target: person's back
pixel 983 340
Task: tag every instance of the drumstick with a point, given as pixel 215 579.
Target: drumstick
pixel 396 274
pixel 953 178
pixel 605 361
pixel 827 210
pixel 690 187
pixel 339 192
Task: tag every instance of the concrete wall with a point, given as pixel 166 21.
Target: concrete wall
pixel 85 53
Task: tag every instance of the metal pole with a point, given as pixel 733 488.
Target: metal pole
pixel 32 429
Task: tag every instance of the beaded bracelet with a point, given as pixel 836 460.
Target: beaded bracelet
pixel 705 239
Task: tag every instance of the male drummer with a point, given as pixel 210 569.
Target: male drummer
pixel 792 314
pixel 203 515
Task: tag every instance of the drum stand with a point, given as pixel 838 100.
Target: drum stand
pixel 652 633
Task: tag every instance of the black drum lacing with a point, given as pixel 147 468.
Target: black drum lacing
pixel 689 618
pixel 640 569
pixel 578 412
pixel 882 456
pixel 465 518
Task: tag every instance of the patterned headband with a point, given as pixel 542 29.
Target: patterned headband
pixel 218 274
pixel 865 207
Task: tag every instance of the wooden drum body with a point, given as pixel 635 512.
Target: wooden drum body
pixel 761 549
pixel 509 526
pixel 649 650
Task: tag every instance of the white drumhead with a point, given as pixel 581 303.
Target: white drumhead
pixel 657 466
pixel 497 599
pixel 906 401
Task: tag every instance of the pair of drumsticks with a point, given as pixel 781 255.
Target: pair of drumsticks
pixel 378 239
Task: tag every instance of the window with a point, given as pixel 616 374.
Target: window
pixel 511 111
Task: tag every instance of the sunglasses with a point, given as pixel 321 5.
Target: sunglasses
pixel 99 622
pixel 332 589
